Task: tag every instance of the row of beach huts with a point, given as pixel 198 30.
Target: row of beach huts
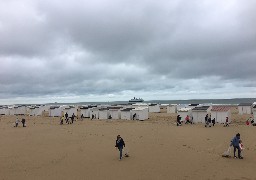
pixel 126 112
pixel 138 111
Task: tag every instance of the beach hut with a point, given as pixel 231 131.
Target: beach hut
pixel 154 108
pixel 6 111
pixel 2 110
pixel 254 111
pixel 183 112
pixel 20 110
pixel 141 113
pixel 95 112
pixel 220 113
pixel 85 111
pixel 126 114
pixel 115 113
pixel 104 113
pixel 70 110
pixel 32 110
pixel 199 113
pixel 245 108
pixel 43 109
pixel 172 108
pixel 55 111
pixel 13 110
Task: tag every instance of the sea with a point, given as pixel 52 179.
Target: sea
pixel 234 101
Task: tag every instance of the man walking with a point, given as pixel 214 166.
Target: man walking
pixel 235 144
pixel 120 144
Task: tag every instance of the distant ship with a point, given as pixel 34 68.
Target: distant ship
pixel 135 100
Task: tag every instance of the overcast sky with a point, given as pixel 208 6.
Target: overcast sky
pixel 111 50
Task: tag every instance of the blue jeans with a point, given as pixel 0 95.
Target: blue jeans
pixel 121 152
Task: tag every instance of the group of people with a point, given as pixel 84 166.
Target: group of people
pixel 208 121
pixel 188 120
pixel 250 121
pixel 211 122
pixel 17 121
pixel 69 120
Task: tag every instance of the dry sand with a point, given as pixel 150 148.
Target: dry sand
pixel 158 150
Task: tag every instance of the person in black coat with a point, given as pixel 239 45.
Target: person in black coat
pixel 120 145
pixel 178 120
pixel 23 121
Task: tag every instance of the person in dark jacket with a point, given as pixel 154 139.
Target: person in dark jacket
pixel 72 118
pixel 66 116
pixel 213 122
pixel 23 121
pixel 178 120
pixel 120 145
pixel 235 144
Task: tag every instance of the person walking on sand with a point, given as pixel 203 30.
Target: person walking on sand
pixel 61 120
pixel 226 123
pixel 235 144
pixel 178 120
pixel 120 145
pixel 23 121
pixel 72 118
pixel 66 116
pixel 17 122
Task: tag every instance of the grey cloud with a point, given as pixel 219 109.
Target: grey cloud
pixel 103 47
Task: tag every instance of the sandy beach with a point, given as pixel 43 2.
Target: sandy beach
pixel 158 149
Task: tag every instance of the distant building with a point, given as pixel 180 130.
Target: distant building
pixel 220 113
pixel 199 113
pixel 245 108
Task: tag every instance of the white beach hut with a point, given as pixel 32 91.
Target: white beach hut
pixel 70 110
pixel 245 108
pixel 154 108
pixel 2 110
pixel 32 110
pixel 104 113
pixel 6 111
pixel 183 112
pixel 95 112
pixel 55 111
pixel 220 113
pixel 13 110
pixel 172 108
pixel 43 109
pixel 254 111
pixel 20 110
pixel 115 113
pixel 141 113
pixel 85 111
pixel 126 114
pixel 199 113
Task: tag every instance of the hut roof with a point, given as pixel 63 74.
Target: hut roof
pixel 220 108
pixel 201 108
pixel 127 109
pixel 245 104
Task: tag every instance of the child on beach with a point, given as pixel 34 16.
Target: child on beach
pixel 241 146
pixel 178 120
pixel 16 122
pixel 226 123
pixel 61 120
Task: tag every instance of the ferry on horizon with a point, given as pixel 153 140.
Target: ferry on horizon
pixel 135 100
